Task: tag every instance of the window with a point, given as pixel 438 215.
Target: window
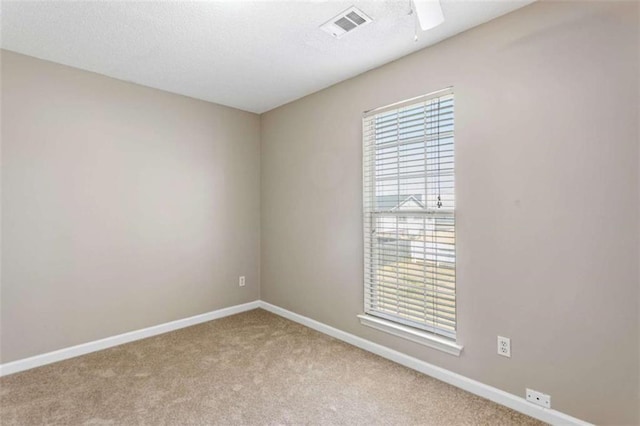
pixel 409 221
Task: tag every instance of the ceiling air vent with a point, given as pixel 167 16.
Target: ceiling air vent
pixel 345 22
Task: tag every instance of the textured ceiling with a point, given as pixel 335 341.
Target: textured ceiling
pixel 252 55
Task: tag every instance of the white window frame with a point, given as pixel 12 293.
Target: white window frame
pixel 397 323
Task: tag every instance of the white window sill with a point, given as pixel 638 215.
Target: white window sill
pixel 427 339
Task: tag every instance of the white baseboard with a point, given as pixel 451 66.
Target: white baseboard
pixel 489 392
pixel 97 345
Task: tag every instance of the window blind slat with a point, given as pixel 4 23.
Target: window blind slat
pixel 413 295
pixel 425 307
pixel 409 219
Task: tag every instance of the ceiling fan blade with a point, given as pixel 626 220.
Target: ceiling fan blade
pixel 429 13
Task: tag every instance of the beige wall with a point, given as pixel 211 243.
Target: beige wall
pixel 547 196
pixel 122 206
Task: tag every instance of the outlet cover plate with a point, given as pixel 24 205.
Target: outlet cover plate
pixel 539 398
pixel 504 346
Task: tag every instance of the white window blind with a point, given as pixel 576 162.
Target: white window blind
pixel 409 221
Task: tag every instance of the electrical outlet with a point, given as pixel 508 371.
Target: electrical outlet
pixel 539 398
pixel 504 346
pixel 241 282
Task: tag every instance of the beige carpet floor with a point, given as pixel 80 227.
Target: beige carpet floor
pixel 254 368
